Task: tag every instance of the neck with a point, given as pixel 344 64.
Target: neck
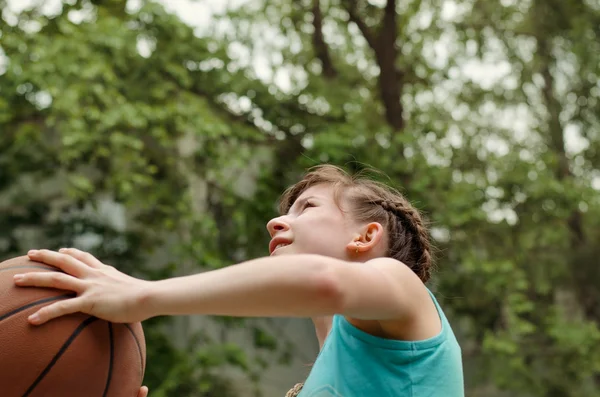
pixel 322 327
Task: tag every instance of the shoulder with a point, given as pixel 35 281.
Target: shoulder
pixel 408 287
pixel 395 268
pixel 419 317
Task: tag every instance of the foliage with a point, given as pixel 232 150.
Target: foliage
pixel 485 114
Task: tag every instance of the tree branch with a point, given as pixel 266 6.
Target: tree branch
pixel 389 19
pixel 350 6
pixel 321 49
pixel 386 53
pixel 390 78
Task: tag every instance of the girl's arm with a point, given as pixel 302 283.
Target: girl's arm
pixel 291 286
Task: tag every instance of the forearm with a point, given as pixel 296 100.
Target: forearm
pixel 294 286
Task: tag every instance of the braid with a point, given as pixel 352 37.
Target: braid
pixel 402 212
pixel 410 219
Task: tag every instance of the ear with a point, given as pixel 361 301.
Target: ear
pixel 370 238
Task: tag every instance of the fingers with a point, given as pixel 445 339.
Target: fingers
pixel 50 280
pixel 64 262
pixel 54 310
pixel 84 257
pixel 143 392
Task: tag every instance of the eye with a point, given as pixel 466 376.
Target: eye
pixel 307 204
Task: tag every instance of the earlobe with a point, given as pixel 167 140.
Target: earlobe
pixel 368 240
pixel 354 247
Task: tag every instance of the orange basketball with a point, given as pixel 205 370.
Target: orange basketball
pixel 72 356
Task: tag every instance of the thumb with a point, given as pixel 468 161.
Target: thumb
pixel 143 392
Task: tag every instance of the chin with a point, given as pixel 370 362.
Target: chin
pixel 283 251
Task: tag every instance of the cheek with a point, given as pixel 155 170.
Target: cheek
pixel 327 233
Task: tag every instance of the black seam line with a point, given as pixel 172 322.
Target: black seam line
pixel 62 350
pixel 137 342
pixel 110 362
pixel 53 269
pixel 35 303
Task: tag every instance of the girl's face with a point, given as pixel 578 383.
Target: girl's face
pixel 313 225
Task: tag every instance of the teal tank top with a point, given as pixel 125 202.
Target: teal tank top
pixel 353 363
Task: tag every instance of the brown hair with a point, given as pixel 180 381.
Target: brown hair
pixel 372 201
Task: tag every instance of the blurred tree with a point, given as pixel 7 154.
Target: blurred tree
pixel 485 114
pixel 112 126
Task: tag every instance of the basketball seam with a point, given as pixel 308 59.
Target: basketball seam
pixel 137 342
pixel 60 352
pixel 30 267
pixel 35 303
pixel 110 362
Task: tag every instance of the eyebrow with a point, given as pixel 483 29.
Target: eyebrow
pixel 298 202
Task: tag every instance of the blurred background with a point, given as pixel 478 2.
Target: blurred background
pixel 159 136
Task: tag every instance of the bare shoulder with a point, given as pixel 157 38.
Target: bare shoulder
pixel 420 318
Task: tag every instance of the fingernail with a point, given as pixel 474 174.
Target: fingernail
pixel 32 252
pixel 63 250
pixel 18 277
pixel 34 318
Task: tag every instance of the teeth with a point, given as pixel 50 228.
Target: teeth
pixel 280 245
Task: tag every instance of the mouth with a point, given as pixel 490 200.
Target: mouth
pixel 278 243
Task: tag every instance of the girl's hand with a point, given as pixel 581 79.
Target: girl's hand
pixel 102 291
pixel 143 392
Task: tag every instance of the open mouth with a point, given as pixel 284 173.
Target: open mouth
pixel 277 244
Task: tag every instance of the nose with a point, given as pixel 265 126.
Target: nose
pixel 277 225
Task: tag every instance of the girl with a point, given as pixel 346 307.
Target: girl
pixel 348 252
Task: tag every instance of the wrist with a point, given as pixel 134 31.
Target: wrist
pixel 145 301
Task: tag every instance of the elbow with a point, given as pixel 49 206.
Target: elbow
pixel 329 290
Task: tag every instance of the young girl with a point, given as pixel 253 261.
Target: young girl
pixel 348 252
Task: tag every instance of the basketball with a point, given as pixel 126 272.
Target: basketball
pixel 71 356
